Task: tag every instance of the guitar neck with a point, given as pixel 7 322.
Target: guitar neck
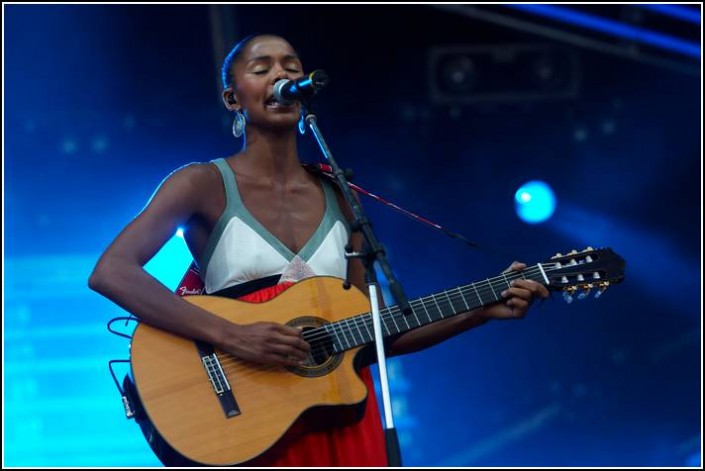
pixel 359 330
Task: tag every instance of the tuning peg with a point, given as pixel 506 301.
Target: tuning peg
pixel 558 255
pixel 585 291
pixel 568 294
pixel 601 287
pixel 588 249
pixel 572 252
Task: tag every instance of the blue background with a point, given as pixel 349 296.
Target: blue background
pixel 101 102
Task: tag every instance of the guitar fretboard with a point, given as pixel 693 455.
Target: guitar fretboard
pixel 359 330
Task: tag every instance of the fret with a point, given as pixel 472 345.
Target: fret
pixel 467 308
pixel 492 289
pixel 418 321
pixel 367 326
pixel 479 298
pixel 403 316
pixel 423 304
pixel 389 313
pixel 357 326
pixel 455 304
pixel 345 336
pixel 352 329
pixel 505 280
pixel 393 320
pixel 450 302
pixel 337 345
pixel 440 311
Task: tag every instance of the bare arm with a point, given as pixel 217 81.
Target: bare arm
pixel 119 275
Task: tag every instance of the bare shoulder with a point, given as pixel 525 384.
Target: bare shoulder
pixel 197 174
pixel 186 190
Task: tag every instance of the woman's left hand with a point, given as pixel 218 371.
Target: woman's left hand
pixel 517 298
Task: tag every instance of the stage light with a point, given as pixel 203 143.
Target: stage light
pixel 534 202
pixel 620 29
pixel 457 74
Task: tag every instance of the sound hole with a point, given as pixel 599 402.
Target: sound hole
pixel 321 346
pixel 322 359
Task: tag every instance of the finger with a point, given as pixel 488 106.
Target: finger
pixel 298 343
pixel 286 330
pixel 293 335
pixel 515 266
pixel 516 292
pixel 534 288
pixel 293 347
pixel 517 307
pixel 281 359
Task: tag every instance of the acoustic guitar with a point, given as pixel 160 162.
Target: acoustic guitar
pixel 218 410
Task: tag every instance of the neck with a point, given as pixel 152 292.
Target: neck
pixel 271 154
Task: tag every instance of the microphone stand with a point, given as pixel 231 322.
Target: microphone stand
pixel 372 252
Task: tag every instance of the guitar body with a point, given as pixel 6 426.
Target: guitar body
pixel 182 403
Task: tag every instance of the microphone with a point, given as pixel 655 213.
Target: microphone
pixel 288 92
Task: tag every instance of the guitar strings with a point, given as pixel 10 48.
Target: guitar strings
pixel 362 322
pixel 233 365
pixel 484 288
pixel 449 298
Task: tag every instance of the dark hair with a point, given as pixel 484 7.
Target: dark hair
pixel 232 57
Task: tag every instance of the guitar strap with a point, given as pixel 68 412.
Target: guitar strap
pixel 327 171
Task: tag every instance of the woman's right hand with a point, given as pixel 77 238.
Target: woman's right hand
pixel 266 342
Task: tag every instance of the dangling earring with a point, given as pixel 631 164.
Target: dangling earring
pixel 302 123
pixel 238 124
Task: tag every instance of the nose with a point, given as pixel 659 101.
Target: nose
pixel 280 74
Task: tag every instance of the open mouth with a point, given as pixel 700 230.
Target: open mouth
pixel 271 102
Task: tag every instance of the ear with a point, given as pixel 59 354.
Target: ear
pixel 229 99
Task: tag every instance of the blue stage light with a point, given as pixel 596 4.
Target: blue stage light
pixel 535 202
pixel 681 12
pixel 615 28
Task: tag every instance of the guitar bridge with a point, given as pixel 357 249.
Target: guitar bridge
pixel 215 373
pixel 218 379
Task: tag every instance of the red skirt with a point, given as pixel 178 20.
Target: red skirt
pixel 357 445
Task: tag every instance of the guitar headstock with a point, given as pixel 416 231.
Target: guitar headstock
pixel 582 272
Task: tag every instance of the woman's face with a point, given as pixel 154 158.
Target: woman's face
pixel 264 61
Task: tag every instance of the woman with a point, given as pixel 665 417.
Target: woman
pixel 256 222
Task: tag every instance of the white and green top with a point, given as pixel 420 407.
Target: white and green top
pixel 240 249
